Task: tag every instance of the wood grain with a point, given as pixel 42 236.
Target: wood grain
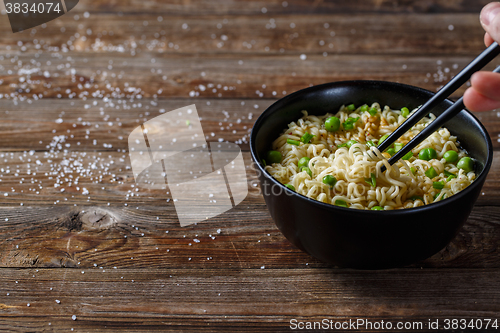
pixel 219 300
pixel 217 76
pixel 336 33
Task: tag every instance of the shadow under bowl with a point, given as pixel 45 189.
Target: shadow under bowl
pixel 366 239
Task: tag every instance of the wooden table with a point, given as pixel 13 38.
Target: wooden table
pixel 83 249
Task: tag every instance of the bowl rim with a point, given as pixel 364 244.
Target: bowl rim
pixel 435 205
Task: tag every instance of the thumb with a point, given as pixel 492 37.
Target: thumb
pixel 490 20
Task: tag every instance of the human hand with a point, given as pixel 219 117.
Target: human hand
pixel 484 93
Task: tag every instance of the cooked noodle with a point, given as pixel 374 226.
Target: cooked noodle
pixel 405 185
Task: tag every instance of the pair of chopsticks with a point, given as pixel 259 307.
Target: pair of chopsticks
pixel 479 62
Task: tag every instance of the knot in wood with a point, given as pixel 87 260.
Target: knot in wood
pixel 91 220
pixel 98 219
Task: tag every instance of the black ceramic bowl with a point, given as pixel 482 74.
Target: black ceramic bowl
pixel 363 238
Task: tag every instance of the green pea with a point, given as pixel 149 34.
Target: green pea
pixel 350 143
pixel 332 124
pixel 451 156
pixel 427 154
pixel 351 107
pixel 405 112
pixel 273 156
pixel 329 180
pixel 377 208
pixel 466 164
pixel 303 162
pixel 290 186
pixel 363 108
pixel 307 170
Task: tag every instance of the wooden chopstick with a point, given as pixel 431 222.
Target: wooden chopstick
pixel 479 62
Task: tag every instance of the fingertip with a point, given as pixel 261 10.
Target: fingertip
pixel 475 79
pixel 487 39
pixel 486 84
pixel 476 102
pixel 490 20
pixel 469 98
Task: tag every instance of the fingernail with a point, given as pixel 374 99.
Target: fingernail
pixel 489 13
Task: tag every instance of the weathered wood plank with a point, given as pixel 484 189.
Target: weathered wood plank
pixel 370 33
pixel 211 76
pixel 110 122
pixel 239 300
pixel 150 237
pixel 82 178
